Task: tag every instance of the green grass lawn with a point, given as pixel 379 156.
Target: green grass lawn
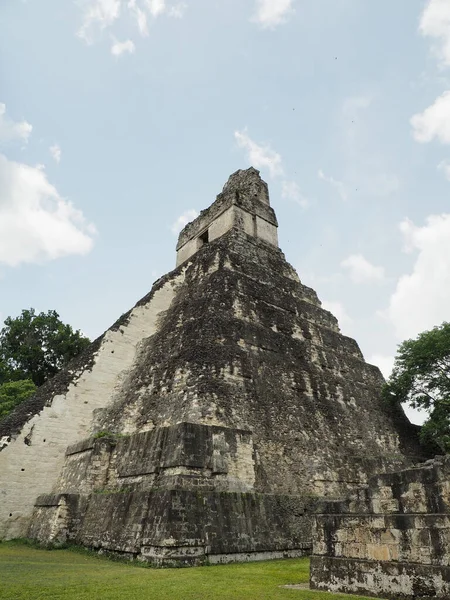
pixel 27 573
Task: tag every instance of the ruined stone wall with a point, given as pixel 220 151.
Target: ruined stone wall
pixel 33 439
pixel 184 456
pixel 226 411
pixel 178 526
pixel 245 345
pixel 243 205
pixel 230 400
pixel 391 539
pixel 173 494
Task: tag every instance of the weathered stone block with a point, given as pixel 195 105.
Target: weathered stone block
pixel 401 554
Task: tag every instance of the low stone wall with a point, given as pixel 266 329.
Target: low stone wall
pixel 390 539
pixel 173 527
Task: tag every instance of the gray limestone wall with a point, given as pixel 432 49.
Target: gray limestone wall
pixel 173 527
pixel 183 456
pixel 210 422
pixel 181 494
pixel 245 345
pixel 390 539
pixel 223 419
pixel 34 438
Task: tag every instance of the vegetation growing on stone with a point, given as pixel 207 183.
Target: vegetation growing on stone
pixel 109 434
pixel 421 376
pixel 13 393
pixel 228 403
pixel 102 434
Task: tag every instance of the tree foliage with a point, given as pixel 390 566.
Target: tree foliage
pixel 36 346
pixel 13 393
pixel 421 376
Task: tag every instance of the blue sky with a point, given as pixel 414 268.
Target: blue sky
pixel 121 118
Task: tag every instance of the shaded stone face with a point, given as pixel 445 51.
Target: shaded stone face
pixel 239 406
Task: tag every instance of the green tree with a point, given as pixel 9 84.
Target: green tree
pixel 13 393
pixel 421 376
pixel 36 346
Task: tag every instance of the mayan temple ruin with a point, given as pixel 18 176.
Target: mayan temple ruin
pixel 212 420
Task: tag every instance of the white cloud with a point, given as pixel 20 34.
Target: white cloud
pixel 183 220
pixel 55 152
pixel 444 166
pixel 338 185
pixel 291 191
pixel 270 13
pixel 338 310
pixel 10 131
pixel 421 299
pixel 140 16
pixel 260 156
pixel 118 48
pixel 98 14
pixel 177 11
pixel 361 270
pixel 141 19
pixel 435 23
pixel 434 121
pixel 156 7
pixel 36 223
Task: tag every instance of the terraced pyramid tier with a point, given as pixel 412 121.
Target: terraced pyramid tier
pixel 242 409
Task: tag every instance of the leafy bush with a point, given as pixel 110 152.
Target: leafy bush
pixel 13 393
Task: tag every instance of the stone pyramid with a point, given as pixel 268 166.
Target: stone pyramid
pixel 242 407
